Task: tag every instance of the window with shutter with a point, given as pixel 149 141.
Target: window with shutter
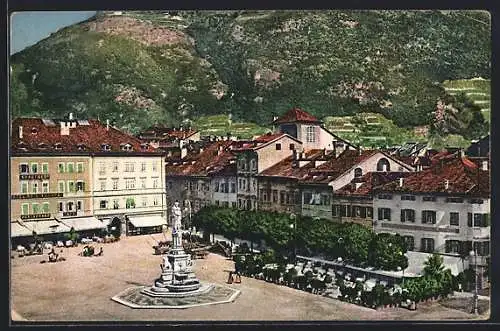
pixel 369 212
pixel 343 211
pixel 428 217
pixel 363 212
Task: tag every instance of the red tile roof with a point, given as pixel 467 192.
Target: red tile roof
pixel 245 145
pixel 369 181
pixel 41 136
pixel 268 137
pixel 287 167
pixel 296 115
pixel 330 170
pixel 216 159
pixel 164 133
pixel 463 176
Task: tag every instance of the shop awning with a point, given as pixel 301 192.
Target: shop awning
pixel 17 230
pixel 147 221
pixel 84 223
pixel 46 226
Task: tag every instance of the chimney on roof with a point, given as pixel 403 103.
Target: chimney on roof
pixel 107 125
pixel 70 116
pixel 20 132
pixel 484 165
pixel 64 128
pixel 401 182
pixel 446 184
pixel 183 152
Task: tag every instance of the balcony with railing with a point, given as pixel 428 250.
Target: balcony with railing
pixel 34 176
pixel 36 195
pixel 35 216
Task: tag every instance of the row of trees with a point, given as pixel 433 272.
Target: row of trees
pixel 355 243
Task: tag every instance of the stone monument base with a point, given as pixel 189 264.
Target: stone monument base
pixel 167 292
pixel 142 297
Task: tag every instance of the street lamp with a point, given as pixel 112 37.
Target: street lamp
pixel 403 277
pixel 293 226
pixel 340 241
pixel 473 253
pixel 399 268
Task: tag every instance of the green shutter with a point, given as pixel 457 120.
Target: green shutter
pixel 486 220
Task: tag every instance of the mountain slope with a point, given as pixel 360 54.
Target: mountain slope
pixel 146 67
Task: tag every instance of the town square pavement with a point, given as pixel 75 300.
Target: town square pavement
pixel 80 289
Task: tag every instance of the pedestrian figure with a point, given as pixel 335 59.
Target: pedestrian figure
pixel 53 255
pixel 238 274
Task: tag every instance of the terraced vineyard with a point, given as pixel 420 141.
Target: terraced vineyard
pixel 477 90
pixel 221 125
pixel 369 130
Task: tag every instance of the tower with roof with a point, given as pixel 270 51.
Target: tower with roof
pixel 310 131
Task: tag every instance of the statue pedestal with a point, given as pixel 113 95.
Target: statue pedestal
pixel 177 275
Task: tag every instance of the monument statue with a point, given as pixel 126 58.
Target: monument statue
pixel 177 217
pixel 176 226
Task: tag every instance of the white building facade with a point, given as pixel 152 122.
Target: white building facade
pixel 130 189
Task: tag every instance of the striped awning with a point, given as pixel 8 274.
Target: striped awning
pixel 46 226
pixel 18 230
pixel 84 223
pixel 147 221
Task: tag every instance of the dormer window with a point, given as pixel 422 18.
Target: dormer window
pixel 34 130
pixel 81 147
pixel 58 146
pixel 106 147
pixel 126 147
pixel 144 146
pixel 22 144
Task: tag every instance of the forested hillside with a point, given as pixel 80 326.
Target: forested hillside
pixel 141 68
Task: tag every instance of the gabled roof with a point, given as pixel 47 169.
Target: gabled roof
pixel 165 133
pixel 296 115
pixel 369 181
pixel 338 138
pixel 334 168
pixel 216 159
pixel 87 136
pixel 462 175
pixel 260 142
pixel 288 168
